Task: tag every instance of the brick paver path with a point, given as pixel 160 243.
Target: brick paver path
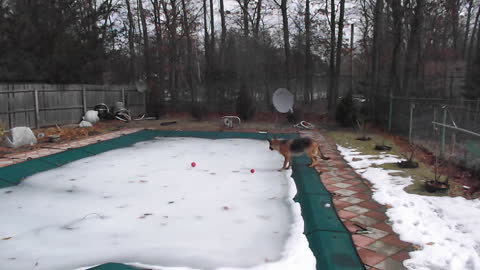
pixel 380 248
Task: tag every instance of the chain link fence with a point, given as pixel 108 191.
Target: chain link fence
pixel 447 128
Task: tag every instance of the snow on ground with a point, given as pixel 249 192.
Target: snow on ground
pixel 446 228
pixel 146 205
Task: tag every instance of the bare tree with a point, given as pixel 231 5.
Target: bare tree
pixel 472 39
pixel 286 39
pixel 146 54
pixel 223 35
pixel 307 94
pixel 338 54
pixel 414 47
pixel 171 18
pixel 378 20
pixel 331 67
pixel 395 76
pixel 258 17
pixel 189 51
pixel 467 28
pixel 131 41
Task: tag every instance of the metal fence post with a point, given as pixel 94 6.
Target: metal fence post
pixel 477 112
pixel 9 108
pixel 390 114
pixel 410 127
pixel 123 97
pixel 37 109
pixel 84 99
pixel 442 143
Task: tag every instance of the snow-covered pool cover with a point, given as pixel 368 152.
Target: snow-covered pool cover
pixel 147 206
pixel 447 229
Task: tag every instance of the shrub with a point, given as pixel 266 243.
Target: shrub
pixel 2 129
pixel 295 116
pixel 345 114
pixel 198 111
pixel 245 104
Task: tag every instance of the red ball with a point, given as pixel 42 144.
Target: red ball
pixel 194 164
pixel 252 170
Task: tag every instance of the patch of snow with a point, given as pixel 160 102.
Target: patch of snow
pixel 446 228
pixel 145 205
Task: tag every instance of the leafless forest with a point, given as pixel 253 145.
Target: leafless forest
pixel 228 55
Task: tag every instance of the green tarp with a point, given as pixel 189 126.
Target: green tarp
pixel 328 239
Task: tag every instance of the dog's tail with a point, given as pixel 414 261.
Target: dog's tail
pixel 322 156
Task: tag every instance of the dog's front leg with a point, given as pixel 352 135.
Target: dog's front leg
pixel 289 162
pixel 284 163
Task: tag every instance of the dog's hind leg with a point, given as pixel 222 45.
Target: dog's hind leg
pixel 322 156
pixel 312 155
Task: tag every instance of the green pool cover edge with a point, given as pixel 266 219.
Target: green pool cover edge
pixel 329 240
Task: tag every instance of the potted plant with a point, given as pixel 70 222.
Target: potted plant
pixel 437 184
pixel 382 146
pixel 409 163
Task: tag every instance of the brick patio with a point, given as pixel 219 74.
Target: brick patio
pixel 53 148
pixel 380 248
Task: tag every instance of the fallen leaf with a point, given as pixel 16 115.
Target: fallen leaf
pixel 7 238
pixel 226 208
pixel 146 215
pixel 415 247
pixel 430 243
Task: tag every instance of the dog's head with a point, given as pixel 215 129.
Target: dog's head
pixel 274 144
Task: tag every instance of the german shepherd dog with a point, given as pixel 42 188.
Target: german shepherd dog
pixel 296 147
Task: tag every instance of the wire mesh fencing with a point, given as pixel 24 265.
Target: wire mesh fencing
pixel 447 128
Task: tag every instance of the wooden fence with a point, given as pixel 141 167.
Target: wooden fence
pixel 37 105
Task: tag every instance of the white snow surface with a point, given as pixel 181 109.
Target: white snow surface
pixel 446 228
pixel 146 206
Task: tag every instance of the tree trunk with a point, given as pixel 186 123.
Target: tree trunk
pixel 171 23
pixel 159 95
pixel 414 49
pixel 189 53
pixel 467 28
pixel 472 40
pixel 258 18
pixel 151 106
pixel 208 64
pixel 338 55
pixel 376 47
pixel 286 41
pixel 395 77
pixel 212 33
pixel 223 35
pixel 131 42
pixel 331 68
pixel 308 56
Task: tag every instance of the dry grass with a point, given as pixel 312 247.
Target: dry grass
pixel 420 175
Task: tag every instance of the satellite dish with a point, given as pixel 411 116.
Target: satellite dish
pixel 141 86
pixel 283 100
